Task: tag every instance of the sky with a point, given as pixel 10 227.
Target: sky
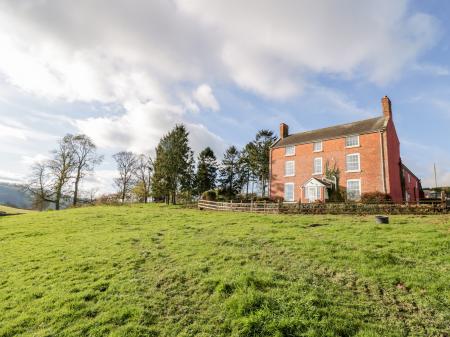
pixel 124 72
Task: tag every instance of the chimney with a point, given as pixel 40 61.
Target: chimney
pixel 284 130
pixel 387 108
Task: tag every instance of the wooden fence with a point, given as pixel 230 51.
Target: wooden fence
pixel 253 207
pixel 325 208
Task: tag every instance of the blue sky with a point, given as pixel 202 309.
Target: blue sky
pixel 124 72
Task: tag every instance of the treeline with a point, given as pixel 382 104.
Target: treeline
pixel 174 175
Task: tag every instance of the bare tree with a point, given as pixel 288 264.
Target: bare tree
pixel 61 167
pixel 126 165
pixel 40 187
pixel 143 175
pixel 49 179
pixel 85 158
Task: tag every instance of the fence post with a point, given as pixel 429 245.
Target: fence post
pixel 443 201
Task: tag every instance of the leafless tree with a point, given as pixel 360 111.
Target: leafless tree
pixel 40 187
pixel 61 167
pixel 126 165
pixel 49 179
pixel 143 175
pixel 85 158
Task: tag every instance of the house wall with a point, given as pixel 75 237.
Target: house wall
pixel 393 163
pixel 412 185
pixel 334 151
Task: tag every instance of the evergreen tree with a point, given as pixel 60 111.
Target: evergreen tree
pixel 230 172
pixel 174 165
pixel 259 156
pixel 206 171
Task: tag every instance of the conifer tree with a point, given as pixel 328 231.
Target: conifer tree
pixel 205 178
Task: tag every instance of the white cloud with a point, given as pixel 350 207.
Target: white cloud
pixel 267 44
pixel 204 96
pixel 38 158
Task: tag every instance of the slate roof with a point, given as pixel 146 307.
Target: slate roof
pixel 337 131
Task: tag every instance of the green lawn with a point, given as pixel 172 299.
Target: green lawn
pixel 165 271
pixel 13 211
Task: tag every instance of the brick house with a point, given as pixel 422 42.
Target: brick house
pixel 358 157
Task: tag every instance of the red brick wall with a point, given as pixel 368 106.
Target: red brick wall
pixel 335 152
pixel 412 185
pixel 394 187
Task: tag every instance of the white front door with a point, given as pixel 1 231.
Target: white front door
pixel 312 193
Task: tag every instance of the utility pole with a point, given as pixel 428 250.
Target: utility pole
pixel 435 178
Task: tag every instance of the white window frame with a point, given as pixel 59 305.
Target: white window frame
pixel 321 146
pixel 359 162
pixel 293 192
pixel 286 150
pixel 350 146
pixel 314 165
pixel 293 168
pixel 409 178
pixel 359 185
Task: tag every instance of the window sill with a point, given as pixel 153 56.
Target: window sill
pixel 353 171
pixel 318 151
pixel 289 155
pixel 317 173
pixel 353 146
pixel 293 175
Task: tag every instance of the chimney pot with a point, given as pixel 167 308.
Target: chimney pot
pixel 387 107
pixel 284 130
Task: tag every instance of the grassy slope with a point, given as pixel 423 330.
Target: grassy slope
pixel 12 210
pixel 162 271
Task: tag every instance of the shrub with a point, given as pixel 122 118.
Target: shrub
pixel 107 199
pixel 375 198
pixel 210 195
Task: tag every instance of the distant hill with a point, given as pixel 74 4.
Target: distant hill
pixel 13 195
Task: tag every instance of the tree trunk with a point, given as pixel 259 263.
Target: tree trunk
pixel 58 198
pixel 75 193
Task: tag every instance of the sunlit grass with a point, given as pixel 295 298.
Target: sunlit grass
pixel 166 271
pixel 11 210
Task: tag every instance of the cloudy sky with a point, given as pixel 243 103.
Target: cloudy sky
pixel 125 71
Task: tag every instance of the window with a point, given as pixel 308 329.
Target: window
pixel 352 163
pixel 353 189
pixel 352 141
pixel 289 150
pixel 317 169
pixel 317 146
pixel 289 192
pixel 409 178
pixel 289 168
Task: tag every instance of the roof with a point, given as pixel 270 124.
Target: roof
pixel 337 131
pixel 320 181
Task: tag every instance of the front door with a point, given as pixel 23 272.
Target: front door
pixel 313 194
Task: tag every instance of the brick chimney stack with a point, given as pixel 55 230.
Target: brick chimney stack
pixel 387 108
pixel 284 130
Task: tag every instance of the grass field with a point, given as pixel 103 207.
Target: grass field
pixel 12 211
pixel 165 271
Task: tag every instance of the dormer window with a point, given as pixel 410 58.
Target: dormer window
pixel 352 141
pixel 289 150
pixel 317 146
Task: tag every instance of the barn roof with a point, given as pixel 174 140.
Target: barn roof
pixel 337 131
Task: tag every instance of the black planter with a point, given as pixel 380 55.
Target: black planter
pixel 381 219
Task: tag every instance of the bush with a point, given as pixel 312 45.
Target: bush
pixel 210 195
pixel 375 198
pixel 107 199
